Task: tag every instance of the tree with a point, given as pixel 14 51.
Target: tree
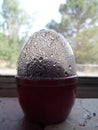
pixel 14 29
pixel 79 25
pixel 86 47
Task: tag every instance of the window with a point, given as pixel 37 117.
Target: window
pixel 77 21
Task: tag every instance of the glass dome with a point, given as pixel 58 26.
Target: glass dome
pixel 46 54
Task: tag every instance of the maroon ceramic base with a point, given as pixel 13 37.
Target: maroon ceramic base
pixel 46 101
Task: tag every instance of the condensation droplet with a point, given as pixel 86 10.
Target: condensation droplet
pixel 70 68
pixel 54 65
pixel 52 38
pixel 66 74
pixel 51 55
pixel 40 59
pixel 46 57
pixel 49 44
pixel 43 34
pixel 40 51
pixel 35 60
pixel 35 43
pixel 43 53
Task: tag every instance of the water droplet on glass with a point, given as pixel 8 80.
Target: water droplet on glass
pixel 40 59
pixel 43 34
pixel 70 68
pixel 43 53
pixel 35 60
pixel 52 38
pixel 40 51
pixel 35 43
pixel 49 44
pixel 54 65
pixel 66 74
pixel 46 57
pixel 51 55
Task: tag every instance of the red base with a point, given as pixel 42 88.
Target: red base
pixel 46 101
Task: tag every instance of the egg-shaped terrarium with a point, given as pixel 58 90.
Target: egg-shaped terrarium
pixel 46 77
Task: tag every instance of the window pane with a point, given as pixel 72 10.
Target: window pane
pixel 76 20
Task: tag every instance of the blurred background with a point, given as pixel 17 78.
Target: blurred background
pixel 76 20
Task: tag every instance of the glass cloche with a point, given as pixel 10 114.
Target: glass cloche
pixel 46 54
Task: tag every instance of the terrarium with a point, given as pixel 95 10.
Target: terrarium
pixel 46 77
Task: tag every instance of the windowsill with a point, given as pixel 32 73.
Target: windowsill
pixel 84 116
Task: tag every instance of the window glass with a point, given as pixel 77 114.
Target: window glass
pixel 77 21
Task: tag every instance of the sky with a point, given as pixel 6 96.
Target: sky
pixel 43 11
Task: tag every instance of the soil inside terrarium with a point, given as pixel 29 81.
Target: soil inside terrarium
pixel 43 68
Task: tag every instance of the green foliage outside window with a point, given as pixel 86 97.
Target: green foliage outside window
pixel 79 24
pixel 13 20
